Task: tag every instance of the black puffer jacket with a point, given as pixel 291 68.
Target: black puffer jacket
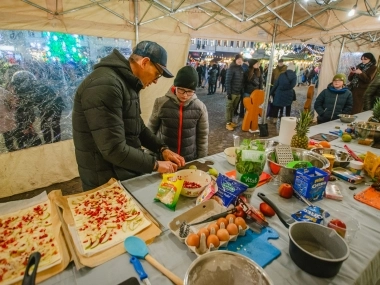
pixel 108 130
pixel 234 79
pixel 372 93
pixel 255 82
pixel 182 126
pixel 332 102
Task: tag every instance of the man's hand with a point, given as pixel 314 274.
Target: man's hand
pixel 169 155
pixel 229 96
pixel 166 167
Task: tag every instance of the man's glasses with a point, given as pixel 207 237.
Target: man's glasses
pixel 158 69
pixel 183 91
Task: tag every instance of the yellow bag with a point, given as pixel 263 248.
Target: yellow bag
pixel 371 164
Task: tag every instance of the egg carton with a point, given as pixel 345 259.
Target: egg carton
pixel 202 248
pixel 198 213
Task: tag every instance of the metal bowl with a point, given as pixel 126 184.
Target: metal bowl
pixel 345 118
pixel 368 131
pixel 286 174
pixel 342 158
pixel 223 267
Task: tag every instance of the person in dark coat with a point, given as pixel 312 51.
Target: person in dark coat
pixel 180 119
pixel 108 130
pixel 336 99
pixel 252 80
pixel 311 75
pixel 23 84
pixel 234 88
pixel 283 93
pixel 372 94
pixel 212 79
pixel 199 71
pixel 280 68
pixel 223 74
pixel 360 77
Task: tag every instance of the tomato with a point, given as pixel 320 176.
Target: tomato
pixel 339 226
pixel 239 212
pixel 266 210
pixel 243 198
pixel 285 190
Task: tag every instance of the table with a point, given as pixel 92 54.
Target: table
pixel 362 266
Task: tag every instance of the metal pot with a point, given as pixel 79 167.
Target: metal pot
pixel 225 268
pixel 286 174
pixel 342 158
pixel 316 249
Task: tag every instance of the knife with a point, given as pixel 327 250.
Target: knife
pixel 140 270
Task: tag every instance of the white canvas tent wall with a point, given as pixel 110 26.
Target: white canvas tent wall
pixel 172 23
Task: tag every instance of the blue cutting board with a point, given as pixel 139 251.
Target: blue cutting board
pixel 256 246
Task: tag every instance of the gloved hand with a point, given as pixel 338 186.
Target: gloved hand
pixel 229 96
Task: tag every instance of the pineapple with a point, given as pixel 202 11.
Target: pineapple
pixel 376 111
pixel 300 139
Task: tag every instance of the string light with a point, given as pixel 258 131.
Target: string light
pixel 353 10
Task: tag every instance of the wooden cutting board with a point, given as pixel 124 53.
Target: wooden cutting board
pixel 318 137
pixel 204 166
pixel 370 197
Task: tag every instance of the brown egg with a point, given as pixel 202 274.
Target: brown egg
pixel 213 239
pixel 223 235
pixel 204 231
pixel 229 216
pixel 233 229
pixel 192 240
pixel 222 220
pixel 240 222
pixel 213 226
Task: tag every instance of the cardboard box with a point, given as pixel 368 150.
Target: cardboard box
pixel 311 183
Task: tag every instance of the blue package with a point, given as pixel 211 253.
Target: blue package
pixel 228 190
pixel 311 214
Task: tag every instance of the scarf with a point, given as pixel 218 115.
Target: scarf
pixel 363 67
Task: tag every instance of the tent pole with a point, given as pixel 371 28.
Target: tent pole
pixel 136 21
pixel 340 54
pixel 269 76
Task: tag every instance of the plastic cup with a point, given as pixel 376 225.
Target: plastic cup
pixel 331 159
pixel 352 225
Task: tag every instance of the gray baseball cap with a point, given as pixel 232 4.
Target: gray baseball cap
pixel 156 53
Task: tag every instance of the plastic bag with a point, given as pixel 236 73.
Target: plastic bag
pixel 169 190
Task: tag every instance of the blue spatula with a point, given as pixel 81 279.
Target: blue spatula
pixel 136 247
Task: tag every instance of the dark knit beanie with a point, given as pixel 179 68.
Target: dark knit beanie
pixel 252 62
pixel 238 56
pixel 186 77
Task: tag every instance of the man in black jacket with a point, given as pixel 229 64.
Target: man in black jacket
pixel 234 88
pixel 108 130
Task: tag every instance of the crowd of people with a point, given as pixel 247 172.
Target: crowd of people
pixel 33 95
pixel 112 140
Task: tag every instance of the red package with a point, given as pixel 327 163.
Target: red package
pixel 251 211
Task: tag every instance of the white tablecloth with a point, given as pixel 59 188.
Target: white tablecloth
pixel 362 266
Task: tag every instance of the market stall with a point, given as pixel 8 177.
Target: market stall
pixel 361 266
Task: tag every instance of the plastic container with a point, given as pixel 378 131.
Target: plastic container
pixel 351 224
pixel 356 167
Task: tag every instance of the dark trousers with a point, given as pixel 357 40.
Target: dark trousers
pixel 51 123
pixel 199 79
pixel 275 109
pixel 211 88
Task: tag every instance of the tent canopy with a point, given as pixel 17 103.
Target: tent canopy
pixel 172 23
pixel 319 21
